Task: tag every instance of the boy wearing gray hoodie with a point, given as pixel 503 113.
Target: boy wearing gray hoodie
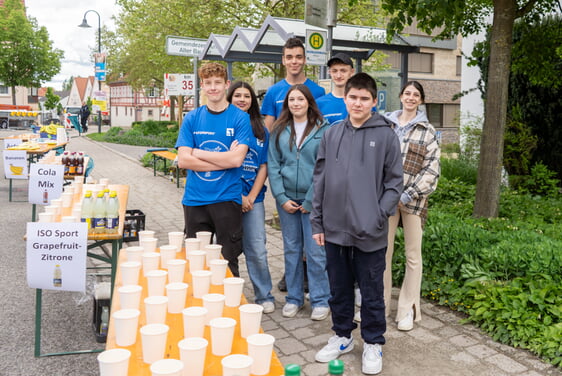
pixel 358 180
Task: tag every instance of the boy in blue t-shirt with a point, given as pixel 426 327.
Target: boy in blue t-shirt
pixel 212 144
pixel 293 59
pixel 331 105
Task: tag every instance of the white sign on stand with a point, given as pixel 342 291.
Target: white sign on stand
pixel 56 256
pixel 182 46
pixel 45 183
pixel 316 47
pixel 179 84
pixel 11 142
pixel 15 164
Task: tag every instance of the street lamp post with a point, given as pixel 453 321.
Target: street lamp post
pixel 85 24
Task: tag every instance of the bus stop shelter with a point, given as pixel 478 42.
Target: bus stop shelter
pixel 264 45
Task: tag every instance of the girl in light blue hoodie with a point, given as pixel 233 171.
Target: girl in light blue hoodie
pixel 294 142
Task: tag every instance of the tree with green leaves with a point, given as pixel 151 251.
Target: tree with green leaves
pixel 535 86
pixel 136 50
pixel 468 17
pixel 67 84
pixel 27 56
pixel 52 100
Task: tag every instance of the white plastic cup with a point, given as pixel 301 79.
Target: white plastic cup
pixel 192 244
pixel 77 213
pixel 51 209
pixel 79 179
pixel 68 219
pixel 46 217
pixel 155 308
pixel 167 367
pixel 150 261
pixel 260 348
pixel 153 337
pixel 176 292
pixel 146 234
pixel 126 323
pixel 57 203
pixel 134 253
pixel 149 244
pixel 236 365
pixel 214 304
pixel 194 319
pixel 130 271
pixel 222 335
pixel 176 238
pixel 196 260
pixel 104 181
pixel 167 252
pixel 201 282
pixel 218 271
pixel 114 362
pixel 250 319
pixel 213 252
pixel 233 291
pixel 67 198
pixel 176 270
pixel 129 296
pixel 205 237
pixel 192 353
pixel 156 281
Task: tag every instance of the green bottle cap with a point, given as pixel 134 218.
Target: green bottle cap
pixel 292 370
pixel 335 367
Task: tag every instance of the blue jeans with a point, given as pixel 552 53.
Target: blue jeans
pixel 347 265
pixel 297 240
pixel 253 244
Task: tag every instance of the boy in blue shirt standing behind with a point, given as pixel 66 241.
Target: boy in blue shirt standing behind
pixel 212 144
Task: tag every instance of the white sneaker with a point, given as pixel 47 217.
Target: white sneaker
pixel 372 359
pixel 335 347
pixel 320 313
pixel 357 316
pixel 290 310
pixel 268 307
pixel 357 297
pixel 407 323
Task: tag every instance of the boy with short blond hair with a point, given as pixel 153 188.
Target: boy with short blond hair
pixel 212 144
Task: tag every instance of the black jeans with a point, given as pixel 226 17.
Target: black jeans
pixel 224 220
pixel 347 265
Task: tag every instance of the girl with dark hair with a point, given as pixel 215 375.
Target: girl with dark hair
pixel 420 157
pixel 296 137
pixel 254 174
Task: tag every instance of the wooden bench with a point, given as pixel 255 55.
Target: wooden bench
pixel 165 155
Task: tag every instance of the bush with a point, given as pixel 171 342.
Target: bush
pixel 149 133
pixel 541 181
pixel 503 273
pixel 462 169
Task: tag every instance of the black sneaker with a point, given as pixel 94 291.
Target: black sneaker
pixel 282 285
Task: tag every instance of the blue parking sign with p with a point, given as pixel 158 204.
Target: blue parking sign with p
pixel 381 101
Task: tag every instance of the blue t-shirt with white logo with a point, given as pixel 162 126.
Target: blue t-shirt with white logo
pixel 332 108
pixel 204 130
pixel 257 155
pixel 275 95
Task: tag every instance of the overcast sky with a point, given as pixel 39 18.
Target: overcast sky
pixel 61 18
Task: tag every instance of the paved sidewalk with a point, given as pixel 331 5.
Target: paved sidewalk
pixel 438 346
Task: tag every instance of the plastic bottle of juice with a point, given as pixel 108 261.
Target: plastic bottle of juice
pixel 100 214
pixel 104 320
pixel 112 224
pixel 88 210
pixel 57 276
